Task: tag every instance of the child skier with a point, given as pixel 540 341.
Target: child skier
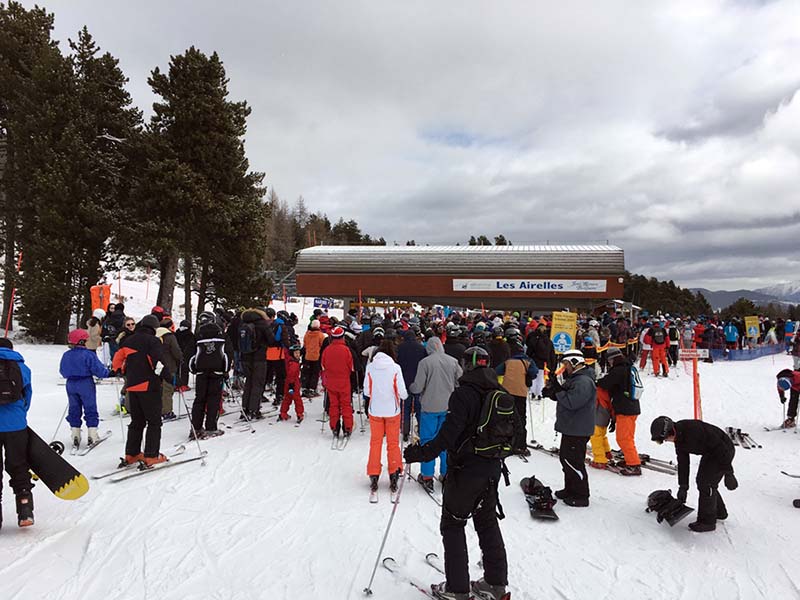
pixel 15 400
pixel 789 381
pixel 291 391
pixel 80 366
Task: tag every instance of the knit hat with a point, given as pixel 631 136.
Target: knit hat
pixel 337 332
pixel 315 324
pixel 150 321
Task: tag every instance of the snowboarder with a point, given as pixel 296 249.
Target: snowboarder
pixel 789 381
pixel 142 358
pixel 80 366
pixel 575 421
pixel 716 449
pixel 210 363
pixel 386 390
pixel 337 364
pixel 470 488
pixel 291 392
pixel 15 400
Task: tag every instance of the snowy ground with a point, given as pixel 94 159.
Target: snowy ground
pixel 278 514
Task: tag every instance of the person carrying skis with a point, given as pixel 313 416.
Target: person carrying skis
pixel 210 363
pixel 79 366
pixel 141 357
pixel 437 377
pixel 470 488
pixel 518 373
pixel 575 408
pixel 386 390
pixel 337 364
pixel 789 381
pixel 291 391
pixel 15 400
pixel 691 436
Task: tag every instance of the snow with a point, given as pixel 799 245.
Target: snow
pixel 277 514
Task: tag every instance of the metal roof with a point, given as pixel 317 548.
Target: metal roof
pixel 594 259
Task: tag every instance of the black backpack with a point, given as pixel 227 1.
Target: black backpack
pixel 247 338
pixel 494 437
pixel 658 336
pixel 10 382
pixel 210 356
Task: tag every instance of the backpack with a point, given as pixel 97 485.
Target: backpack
pixel 658 336
pixel 494 437
pixel 673 334
pixel 637 388
pixel 247 338
pixel 210 356
pixel 10 382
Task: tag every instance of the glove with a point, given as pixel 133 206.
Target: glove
pixel 549 392
pixel 783 398
pixel 730 481
pixel 555 385
pixel 682 491
pixel 413 453
pixel 612 426
pixel 166 376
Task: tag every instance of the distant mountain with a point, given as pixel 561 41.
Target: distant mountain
pixel 788 292
pixel 723 298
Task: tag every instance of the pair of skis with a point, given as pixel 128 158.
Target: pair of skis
pixel 741 439
pixel 75 450
pixel 339 442
pixel 391 565
pixel 128 471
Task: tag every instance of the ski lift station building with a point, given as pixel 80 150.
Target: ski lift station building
pixel 499 277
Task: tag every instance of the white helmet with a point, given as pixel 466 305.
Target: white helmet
pixel 594 324
pixel 99 314
pixel 573 357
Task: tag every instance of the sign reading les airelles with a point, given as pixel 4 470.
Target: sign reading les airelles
pixel 529 285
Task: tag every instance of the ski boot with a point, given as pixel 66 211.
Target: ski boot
pixel 25 508
pixel 426 482
pixel 575 501
pixel 373 483
pixel 789 423
pixel 199 434
pixel 561 494
pixel 700 527
pixel 131 459
pixel 283 417
pixel 151 461
pixel 598 465
pixel 439 590
pixel 93 436
pixel 487 591
pixel 631 470
pixel 170 416
pixel 299 420
pixel 76 437
pixel 393 479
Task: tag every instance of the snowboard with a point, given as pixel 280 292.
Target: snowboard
pixel 54 471
pixel 668 508
pixel 539 498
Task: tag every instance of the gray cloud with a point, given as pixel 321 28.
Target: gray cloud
pixel 671 129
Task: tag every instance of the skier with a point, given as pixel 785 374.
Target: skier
pixel 255 335
pixel 80 366
pixel 470 488
pixel 337 364
pixel 659 343
pixel 789 381
pixel 210 362
pixel 716 449
pixel 276 353
pixel 173 357
pixel 575 421
pixel 15 400
pixel 540 349
pixel 312 347
pixel 142 358
pixel 186 342
pixel 796 351
pixel 645 341
pixel 291 392
pixel 499 349
pixel 518 373
pixel 674 335
pixel 409 354
pixel 437 377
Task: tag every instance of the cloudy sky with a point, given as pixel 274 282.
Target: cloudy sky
pixel 669 128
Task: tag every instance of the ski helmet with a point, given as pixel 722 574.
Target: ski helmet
pixel 573 357
pixel 378 333
pixel 785 384
pixel 99 314
pixel 475 357
pixel 270 312
pixel 77 337
pixel 205 317
pixel 295 348
pixel 613 353
pixel 661 428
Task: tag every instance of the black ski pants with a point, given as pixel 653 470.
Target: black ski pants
pixel 207 397
pixel 572 455
pixel 710 505
pixel 256 371
pixel 14 444
pixel 277 369
pixel 145 410
pixel 672 355
pixel 472 492
pixel 794 396
pixel 521 423
pixel 311 374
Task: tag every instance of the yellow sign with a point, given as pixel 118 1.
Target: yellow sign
pixel 564 330
pixel 752 327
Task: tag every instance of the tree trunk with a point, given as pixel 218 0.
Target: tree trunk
pixel 9 266
pixel 203 288
pixel 188 267
pixel 166 284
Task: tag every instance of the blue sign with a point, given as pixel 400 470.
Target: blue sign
pixel 752 332
pixel 323 302
pixel 562 342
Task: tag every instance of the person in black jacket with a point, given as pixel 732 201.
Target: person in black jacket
pixel 625 408
pixel 186 342
pixel 141 356
pixel 499 350
pixel 255 361
pixel 540 349
pixel 691 436
pixel 210 363
pixel 470 487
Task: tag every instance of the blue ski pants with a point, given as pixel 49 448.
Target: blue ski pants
pixel 429 426
pixel 82 399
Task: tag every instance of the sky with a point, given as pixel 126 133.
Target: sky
pixel 671 129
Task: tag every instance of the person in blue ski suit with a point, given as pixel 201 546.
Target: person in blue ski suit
pixel 80 366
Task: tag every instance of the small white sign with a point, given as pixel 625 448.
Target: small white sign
pixel 529 285
pixel 689 353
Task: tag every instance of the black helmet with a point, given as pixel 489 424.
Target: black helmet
pixel 661 428
pixel 512 332
pixel 497 331
pixel 282 314
pixel 378 332
pixel 295 347
pixel 204 318
pixel 270 312
pixel 475 357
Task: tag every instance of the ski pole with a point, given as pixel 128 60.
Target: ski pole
pixel 119 412
pixel 63 416
pixel 240 405
pixel 324 411
pixel 194 431
pixel 368 589
pixel 530 416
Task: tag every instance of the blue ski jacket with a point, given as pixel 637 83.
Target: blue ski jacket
pixel 14 416
pixel 80 362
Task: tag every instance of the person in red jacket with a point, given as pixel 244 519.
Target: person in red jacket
pixel 291 389
pixel 337 364
pixel 659 342
pixel 789 381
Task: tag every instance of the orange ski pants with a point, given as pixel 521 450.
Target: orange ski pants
pixel 660 360
pixel 626 428
pixel 388 427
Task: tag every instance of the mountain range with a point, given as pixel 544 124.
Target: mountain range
pixel 788 292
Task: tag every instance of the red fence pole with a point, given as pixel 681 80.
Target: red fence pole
pixel 13 295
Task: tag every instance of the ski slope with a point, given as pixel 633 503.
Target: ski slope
pixel 278 514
